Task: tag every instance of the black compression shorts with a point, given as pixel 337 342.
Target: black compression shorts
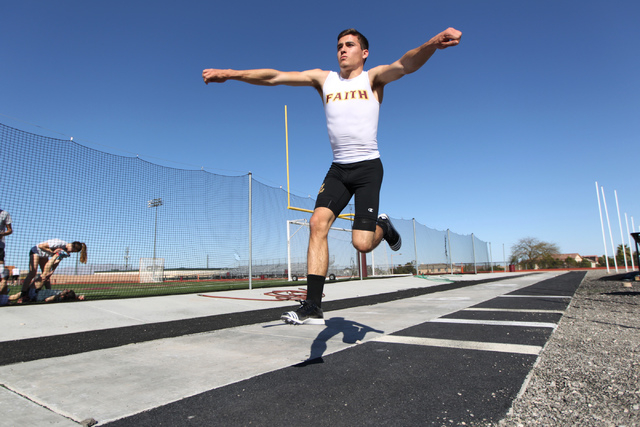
pixel 362 179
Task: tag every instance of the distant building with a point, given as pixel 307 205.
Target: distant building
pixel 593 259
pixel 438 269
pixel 563 257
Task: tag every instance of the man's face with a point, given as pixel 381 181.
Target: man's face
pixel 350 54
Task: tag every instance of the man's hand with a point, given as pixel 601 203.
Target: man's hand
pixel 211 75
pixel 447 38
pixel 412 60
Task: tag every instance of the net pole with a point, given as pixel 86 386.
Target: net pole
pixel 155 233
pixel 289 251
pixel 504 258
pixel 450 252
pixel 490 257
pixel 473 246
pixel 415 244
pixel 373 263
pixel 250 234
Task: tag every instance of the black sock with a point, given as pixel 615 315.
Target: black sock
pixel 315 286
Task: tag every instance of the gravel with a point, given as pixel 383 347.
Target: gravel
pixel 589 371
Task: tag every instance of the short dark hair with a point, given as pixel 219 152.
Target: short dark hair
pixel 364 43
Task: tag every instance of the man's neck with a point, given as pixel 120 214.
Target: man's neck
pixel 350 73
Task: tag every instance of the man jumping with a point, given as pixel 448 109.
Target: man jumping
pixel 351 100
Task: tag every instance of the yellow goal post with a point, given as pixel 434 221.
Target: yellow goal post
pixel 347 216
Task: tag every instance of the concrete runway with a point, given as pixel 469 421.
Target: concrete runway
pixel 394 351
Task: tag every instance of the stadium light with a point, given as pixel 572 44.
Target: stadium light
pixel 154 204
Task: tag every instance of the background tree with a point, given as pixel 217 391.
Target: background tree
pixel 530 252
pixel 620 255
pixel 408 268
pixel 585 263
pixel 602 261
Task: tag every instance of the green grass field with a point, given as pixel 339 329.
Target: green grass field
pixel 98 291
pixel 94 291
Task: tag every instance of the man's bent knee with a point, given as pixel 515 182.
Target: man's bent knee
pixel 363 241
pixel 363 247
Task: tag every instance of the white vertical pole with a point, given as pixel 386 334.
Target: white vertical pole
pixel 504 258
pixel 624 252
pixel 606 212
pixel 626 220
pixel 289 251
pixel 250 243
pixel 373 264
pixel 473 246
pixel 415 244
pixel 490 257
pixel 604 238
pixel 155 234
pixel 450 254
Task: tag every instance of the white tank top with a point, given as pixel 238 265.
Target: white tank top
pixel 352 118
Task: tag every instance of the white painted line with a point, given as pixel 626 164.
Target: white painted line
pixel 501 284
pixel 467 345
pixel 497 323
pixel 535 296
pixel 514 310
pixel 119 314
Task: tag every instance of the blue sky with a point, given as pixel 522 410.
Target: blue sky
pixel 503 136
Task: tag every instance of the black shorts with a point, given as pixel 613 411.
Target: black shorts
pixel 1 256
pixel 362 179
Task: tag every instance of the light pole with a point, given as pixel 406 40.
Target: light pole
pixel 126 258
pixel 392 266
pixel 154 204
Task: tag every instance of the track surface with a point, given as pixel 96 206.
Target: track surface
pixel 408 352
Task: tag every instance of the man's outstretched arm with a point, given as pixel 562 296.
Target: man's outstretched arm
pixel 267 77
pixel 414 59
